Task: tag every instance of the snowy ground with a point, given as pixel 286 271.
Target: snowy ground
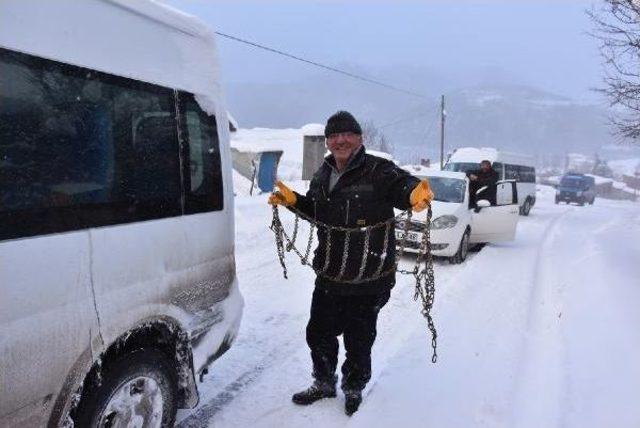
pixel 541 332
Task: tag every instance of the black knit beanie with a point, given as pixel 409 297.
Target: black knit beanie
pixel 342 121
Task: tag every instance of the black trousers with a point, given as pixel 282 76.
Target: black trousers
pixel 354 317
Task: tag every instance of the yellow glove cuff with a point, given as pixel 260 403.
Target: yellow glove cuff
pixel 283 196
pixel 421 196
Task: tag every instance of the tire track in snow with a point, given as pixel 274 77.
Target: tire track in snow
pixel 254 336
pixel 540 383
pixel 204 414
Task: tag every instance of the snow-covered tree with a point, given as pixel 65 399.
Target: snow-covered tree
pixel 617 27
pixel 375 139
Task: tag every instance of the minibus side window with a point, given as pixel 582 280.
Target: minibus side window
pixel 528 174
pixel 201 155
pixel 511 172
pixel 80 148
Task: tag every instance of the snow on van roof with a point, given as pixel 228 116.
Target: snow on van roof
pixel 141 39
pixel 478 154
pixel 422 171
pixel 167 15
pixel 474 154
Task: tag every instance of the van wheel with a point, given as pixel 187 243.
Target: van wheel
pixel 526 207
pixel 138 389
pixel 592 201
pixel 463 250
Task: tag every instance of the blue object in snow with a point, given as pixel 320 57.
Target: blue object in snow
pixel 267 170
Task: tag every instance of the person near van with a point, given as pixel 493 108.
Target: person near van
pixel 350 189
pixel 485 177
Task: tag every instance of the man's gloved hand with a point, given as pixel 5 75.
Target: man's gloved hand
pixel 421 196
pixel 282 196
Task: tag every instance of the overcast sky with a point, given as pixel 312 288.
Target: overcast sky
pixel 541 43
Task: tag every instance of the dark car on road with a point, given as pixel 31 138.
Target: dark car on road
pixel 578 188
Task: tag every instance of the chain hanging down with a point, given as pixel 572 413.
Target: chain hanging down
pixel 422 271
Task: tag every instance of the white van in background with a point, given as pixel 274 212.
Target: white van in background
pixel 509 166
pixel 117 269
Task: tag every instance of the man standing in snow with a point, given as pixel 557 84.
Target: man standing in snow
pixel 486 177
pixel 351 189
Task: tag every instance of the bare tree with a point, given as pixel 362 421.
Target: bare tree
pixel 374 139
pixel 617 27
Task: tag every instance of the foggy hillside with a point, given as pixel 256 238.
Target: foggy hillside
pixel 508 116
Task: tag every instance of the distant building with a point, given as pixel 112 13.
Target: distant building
pixel 577 162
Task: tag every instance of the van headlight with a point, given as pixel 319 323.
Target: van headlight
pixel 444 222
pixel 578 193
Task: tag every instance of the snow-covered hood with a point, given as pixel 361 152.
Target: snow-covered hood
pixel 442 208
pixel 439 209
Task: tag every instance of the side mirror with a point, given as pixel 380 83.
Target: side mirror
pixel 482 203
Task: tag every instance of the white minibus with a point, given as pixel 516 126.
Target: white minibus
pixel 117 272
pixel 509 166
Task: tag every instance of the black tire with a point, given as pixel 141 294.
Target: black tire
pixel 557 201
pixel 463 250
pixel 147 363
pixel 581 202
pixel 592 201
pixel 476 248
pixel 526 207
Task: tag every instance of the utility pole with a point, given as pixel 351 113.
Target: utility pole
pixel 443 115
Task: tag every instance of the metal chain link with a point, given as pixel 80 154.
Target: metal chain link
pixel 345 256
pixel 365 255
pixel 278 230
pixel 295 234
pixel 425 279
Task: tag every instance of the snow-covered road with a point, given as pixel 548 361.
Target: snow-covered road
pixel 541 332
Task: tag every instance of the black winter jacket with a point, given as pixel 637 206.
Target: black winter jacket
pixel 489 179
pixel 364 195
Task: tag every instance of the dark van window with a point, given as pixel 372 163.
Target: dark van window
pixel 527 174
pixel 204 187
pixel 522 174
pixel 511 172
pixel 82 149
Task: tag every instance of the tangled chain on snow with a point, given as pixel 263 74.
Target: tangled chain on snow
pixel 422 270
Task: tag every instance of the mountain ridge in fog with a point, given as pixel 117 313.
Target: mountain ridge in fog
pixel 509 116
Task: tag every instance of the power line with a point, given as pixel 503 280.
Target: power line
pixel 407 119
pixel 317 64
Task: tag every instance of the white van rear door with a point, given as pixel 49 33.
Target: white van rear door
pixel 497 223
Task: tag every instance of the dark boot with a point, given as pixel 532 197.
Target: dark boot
pixel 352 401
pixel 315 392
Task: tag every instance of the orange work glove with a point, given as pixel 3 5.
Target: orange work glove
pixel 282 196
pixel 421 196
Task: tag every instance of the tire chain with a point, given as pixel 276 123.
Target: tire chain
pixel 425 279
